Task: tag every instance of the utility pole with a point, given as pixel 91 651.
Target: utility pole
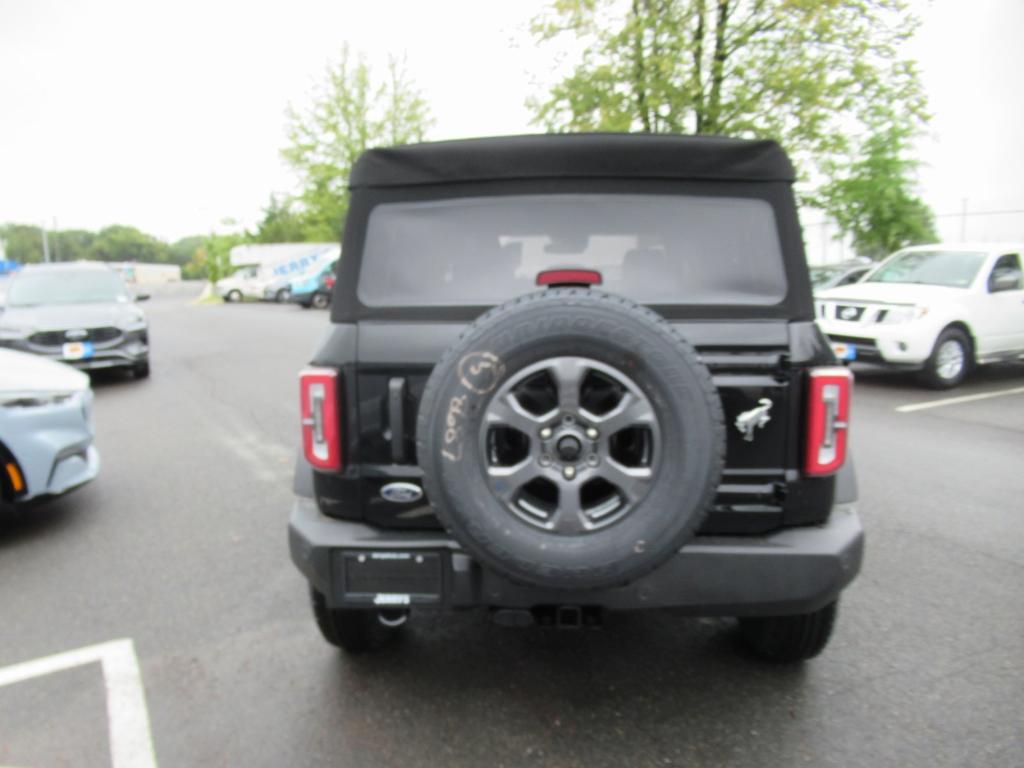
pixel 46 244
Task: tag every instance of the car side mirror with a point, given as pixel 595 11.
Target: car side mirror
pixel 142 297
pixel 1005 279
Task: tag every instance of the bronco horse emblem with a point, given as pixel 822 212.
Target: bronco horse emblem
pixel 755 418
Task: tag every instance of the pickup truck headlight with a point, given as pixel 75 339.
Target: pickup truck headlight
pixel 895 315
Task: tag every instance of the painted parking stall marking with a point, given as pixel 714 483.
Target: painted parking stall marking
pixel 956 400
pixel 131 743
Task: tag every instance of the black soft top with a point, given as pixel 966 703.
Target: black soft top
pixel 593 155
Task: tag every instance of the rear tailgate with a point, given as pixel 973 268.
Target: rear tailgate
pixel 761 487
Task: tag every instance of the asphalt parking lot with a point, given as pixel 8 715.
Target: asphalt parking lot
pixel 180 547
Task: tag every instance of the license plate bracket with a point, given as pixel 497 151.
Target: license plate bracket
pixel 392 578
pixel 77 350
pixel 844 351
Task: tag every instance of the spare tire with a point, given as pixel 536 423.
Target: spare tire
pixel 571 439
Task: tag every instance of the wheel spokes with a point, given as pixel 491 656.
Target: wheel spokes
pixel 505 481
pixel 568 519
pixel 506 411
pixel 632 482
pixel 631 411
pixel 568 373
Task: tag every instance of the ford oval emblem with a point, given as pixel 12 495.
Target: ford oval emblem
pixel 402 493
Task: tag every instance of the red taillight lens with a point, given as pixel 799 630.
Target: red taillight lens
pixel 321 423
pixel 569 277
pixel 828 419
pixel 329 281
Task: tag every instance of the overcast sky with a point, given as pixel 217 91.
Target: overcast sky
pixel 169 115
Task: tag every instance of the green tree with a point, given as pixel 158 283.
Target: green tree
pixel 808 73
pixel 212 259
pixel 121 243
pixel 282 223
pixel 70 244
pixel 181 251
pixel 22 242
pixel 872 199
pixel 350 113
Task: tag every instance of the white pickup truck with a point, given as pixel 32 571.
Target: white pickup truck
pixel 940 309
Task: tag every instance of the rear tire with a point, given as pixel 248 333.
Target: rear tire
pixel 352 630
pixel 282 296
pixel 233 296
pixel 320 300
pixel 950 361
pixel 141 370
pixel 789 639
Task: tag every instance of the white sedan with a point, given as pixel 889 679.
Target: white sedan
pixel 940 309
pixel 46 428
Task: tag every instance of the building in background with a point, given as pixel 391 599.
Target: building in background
pixel 141 274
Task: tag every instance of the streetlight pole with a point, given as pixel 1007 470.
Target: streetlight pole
pixel 46 244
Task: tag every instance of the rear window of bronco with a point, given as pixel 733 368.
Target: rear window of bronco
pixel 655 249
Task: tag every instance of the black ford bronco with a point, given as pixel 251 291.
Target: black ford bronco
pixel 574 374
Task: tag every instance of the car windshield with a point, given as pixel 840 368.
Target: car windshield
pixel 954 269
pixel 821 275
pixel 656 249
pixel 66 286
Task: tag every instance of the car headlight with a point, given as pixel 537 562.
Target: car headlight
pixel 134 323
pixel 10 333
pixel 895 315
pixel 32 399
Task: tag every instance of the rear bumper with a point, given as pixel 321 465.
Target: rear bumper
pixel 796 570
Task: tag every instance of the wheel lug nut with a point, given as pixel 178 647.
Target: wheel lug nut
pixel 592 433
pixel 546 433
pixel 544 460
pixel 592 460
pixel 569 472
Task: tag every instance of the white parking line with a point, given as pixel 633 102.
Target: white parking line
pixel 955 400
pixel 131 744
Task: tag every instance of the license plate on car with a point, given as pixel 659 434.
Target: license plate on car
pixel 845 351
pixel 77 350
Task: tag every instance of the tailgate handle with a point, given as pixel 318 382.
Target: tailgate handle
pixel 396 418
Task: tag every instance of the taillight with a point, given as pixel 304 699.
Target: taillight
pixel 557 277
pixel 828 419
pixel 321 424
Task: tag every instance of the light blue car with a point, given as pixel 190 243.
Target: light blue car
pixel 314 288
pixel 46 429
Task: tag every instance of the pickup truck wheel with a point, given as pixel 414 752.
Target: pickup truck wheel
pixel 353 630
pixel 233 296
pixel 789 639
pixel 571 439
pixel 950 360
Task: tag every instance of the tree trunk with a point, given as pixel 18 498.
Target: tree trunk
pixel 698 69
pixel 639 73
pixel 718 67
